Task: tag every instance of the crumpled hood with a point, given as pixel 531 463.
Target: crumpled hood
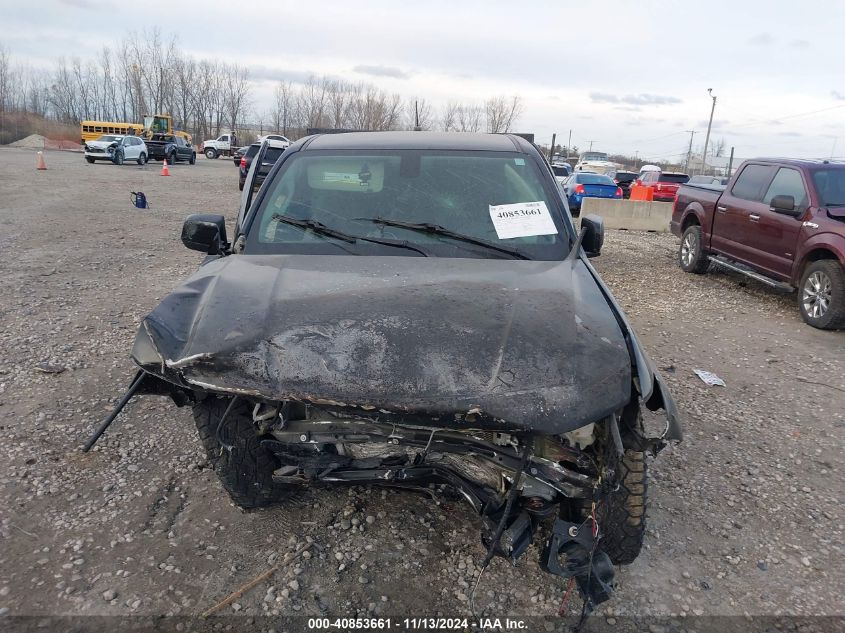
pixel 533 344
pixel 100 145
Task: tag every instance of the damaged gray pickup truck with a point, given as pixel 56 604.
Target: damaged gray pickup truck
pixel 416 308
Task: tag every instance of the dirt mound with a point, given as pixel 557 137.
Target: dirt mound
pixel 33 141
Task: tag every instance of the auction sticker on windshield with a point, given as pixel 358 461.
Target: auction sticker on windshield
pixel 523 219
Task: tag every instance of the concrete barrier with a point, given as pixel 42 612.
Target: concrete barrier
pixel 634 215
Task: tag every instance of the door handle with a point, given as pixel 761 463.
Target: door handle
pixel 753 217
pixel 721 209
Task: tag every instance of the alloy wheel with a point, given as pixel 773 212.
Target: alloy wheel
pixel 688 249
pixel 816 294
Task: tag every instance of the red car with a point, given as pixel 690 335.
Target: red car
pixel 663 184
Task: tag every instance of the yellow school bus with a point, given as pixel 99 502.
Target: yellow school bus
pixel 158 124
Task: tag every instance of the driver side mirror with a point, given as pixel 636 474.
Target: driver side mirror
pixel 594 237
pixel 785 205
pixel 205 232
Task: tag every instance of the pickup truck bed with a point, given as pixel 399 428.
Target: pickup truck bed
pixel 779 221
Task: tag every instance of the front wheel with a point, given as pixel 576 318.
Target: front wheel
pixel 118 158
pixel 142 159
pixel 90 160
pixel 691 255
pixel 171 160
pixel 193 159
pixel 621 514
pixel 210 153
pixel 245 469
pixel 821 295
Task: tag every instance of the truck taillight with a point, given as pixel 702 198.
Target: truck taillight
pixel 579 188
pixel 243 162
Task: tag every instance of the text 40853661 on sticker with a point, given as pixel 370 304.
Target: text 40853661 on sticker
pixel 522 219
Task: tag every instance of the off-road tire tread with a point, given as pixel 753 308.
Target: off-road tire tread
pixel 835 317
pixel 246 471
pixel 622 519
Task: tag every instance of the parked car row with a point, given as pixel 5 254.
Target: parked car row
pixel 117 149
pixel 582 185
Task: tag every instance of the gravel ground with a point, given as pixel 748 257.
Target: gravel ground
pixel 746 516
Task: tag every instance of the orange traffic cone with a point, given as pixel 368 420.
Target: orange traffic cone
pixel 39 162
pixel 164 170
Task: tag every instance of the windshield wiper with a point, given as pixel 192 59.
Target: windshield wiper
pixel 321 229
pixel 436 229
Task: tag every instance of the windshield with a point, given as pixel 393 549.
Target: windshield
pixel 109 138
pixel 495 197
pixel 830 183
pixel 677 178
pixel 594 156
pixel 594 179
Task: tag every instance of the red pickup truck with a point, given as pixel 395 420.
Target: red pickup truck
pixel 779 221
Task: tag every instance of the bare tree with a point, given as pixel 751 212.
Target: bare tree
pixel 5 80
pixel 719 147
pixel 338 97
pixel 146 73
pixel 449 118
pixel 469 118
pixel 312 100
pixel 502 113
pixel 236 92
pixel 282 116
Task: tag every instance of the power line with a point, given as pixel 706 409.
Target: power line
pixel 789 116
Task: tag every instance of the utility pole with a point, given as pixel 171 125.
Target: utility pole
pixel 730 163
pixel 568 144
pixel 552 148
pixel 417 127
pixel 689 151
pixel 709 125
pixel 591 146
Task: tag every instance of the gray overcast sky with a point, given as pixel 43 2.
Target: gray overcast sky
pixel 630 76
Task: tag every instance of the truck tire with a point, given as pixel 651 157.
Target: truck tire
pixel 691 255
pixel 821 295
pixel 193 159
pixel 211 153
pixel 246 471
pixel 621 515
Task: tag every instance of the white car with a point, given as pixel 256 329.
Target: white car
pixel 117 149
pixel 597 163
pixel 282 141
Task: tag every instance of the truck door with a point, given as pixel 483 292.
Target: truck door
pixel 735 219
pixel 778 233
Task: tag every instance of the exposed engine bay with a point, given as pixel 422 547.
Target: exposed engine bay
pixel 521 484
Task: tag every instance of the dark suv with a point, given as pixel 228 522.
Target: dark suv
pixel 271 155
pixel 415 308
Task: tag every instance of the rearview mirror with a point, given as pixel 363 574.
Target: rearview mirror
pixel 205 232
pixel 594 237
pixel 785 205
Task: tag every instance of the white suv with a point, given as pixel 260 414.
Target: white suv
pixel 117 148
